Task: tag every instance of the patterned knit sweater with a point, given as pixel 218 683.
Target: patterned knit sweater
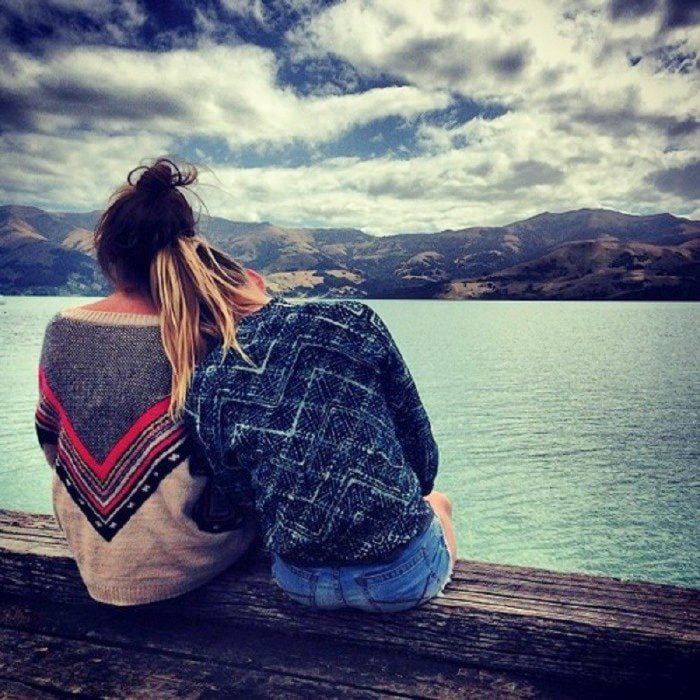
pixel 326 435
pixel 129 490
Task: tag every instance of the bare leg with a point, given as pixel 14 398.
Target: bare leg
pixel 443 508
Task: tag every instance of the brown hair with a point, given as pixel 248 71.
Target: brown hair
pixel 146 241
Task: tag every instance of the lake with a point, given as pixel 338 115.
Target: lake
pixel 568 431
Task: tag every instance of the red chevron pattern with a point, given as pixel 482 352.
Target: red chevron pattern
pixel 110 491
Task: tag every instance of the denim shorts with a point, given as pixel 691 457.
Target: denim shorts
pixel 418 574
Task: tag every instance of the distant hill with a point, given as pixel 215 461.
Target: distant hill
pixel 596 269
pixel 584 254
pixel 35 260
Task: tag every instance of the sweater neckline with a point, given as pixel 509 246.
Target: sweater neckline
pixel 122 318
pixel 110 318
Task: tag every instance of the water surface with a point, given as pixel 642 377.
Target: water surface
pixel 568 431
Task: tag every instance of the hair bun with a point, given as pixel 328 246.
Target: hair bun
pixel 162 177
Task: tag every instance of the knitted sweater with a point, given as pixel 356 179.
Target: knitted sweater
pixel 326 435
pixel 129 489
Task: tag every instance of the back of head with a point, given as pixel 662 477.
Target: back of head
pixel 146 241
pixel 147 214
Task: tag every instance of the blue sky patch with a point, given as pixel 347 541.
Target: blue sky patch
pixel 324 75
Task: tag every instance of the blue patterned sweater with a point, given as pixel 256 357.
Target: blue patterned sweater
pixel 326 437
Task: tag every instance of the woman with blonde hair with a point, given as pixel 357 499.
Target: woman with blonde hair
pixel 130 487
pixel 303 417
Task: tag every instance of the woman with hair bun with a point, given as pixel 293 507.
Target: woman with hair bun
pixel 131 491
pixel 303 416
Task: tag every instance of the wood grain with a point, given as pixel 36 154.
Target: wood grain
pixel 526 627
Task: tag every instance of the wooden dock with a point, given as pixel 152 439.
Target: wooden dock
pixel 499 631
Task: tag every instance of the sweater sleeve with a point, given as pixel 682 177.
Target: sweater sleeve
pixel 46 416
pixel 409 415
pixel 214 433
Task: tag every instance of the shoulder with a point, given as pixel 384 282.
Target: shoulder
pixel 359 319
pixel 54 345
pixel 342 323
pixel 54 322
pixel 354 326
pixel 361 316
pixel 53 328
pixel 349 312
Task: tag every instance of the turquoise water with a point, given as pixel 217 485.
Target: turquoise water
pixel 568 432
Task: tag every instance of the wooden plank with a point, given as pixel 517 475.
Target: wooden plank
pixel 263 654
pixel 486 586
pixel 97 670
pixel 21 690
pixel 498 617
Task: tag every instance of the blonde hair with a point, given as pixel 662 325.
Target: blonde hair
pixel 198 298
pixel 146 239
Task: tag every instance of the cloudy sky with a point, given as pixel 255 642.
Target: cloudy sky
pixel 386 115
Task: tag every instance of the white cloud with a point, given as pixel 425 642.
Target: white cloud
pixel 72 172
pixel 500 177
pixel 460 46
pixel 519 55
pixel 598 111
pixel 577 103
pixel 229 92
pixel 253 9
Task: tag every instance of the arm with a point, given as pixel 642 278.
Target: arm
pixel 215 438
pixel 46 420
pixel 410 418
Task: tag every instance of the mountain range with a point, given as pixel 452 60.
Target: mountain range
pixel 584 254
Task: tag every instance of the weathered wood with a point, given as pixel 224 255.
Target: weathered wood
pixel 94 669
pixel 508 619
pixel 16 690
pixel 252 659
